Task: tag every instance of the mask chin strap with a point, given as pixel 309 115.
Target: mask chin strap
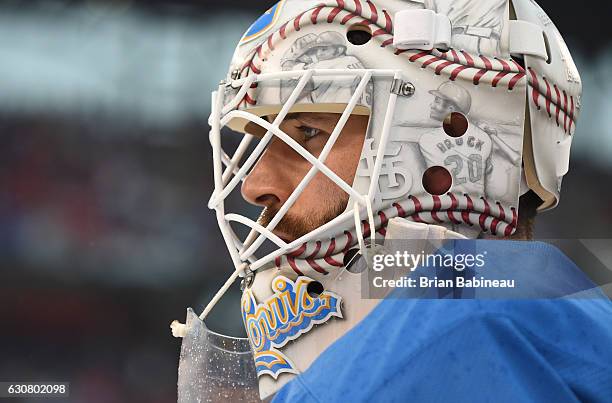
pixel 180 329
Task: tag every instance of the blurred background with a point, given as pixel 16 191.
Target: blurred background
pixel 105 171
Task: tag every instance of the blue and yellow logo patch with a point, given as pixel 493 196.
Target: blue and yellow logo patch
pixel 289 313
pixel 263 23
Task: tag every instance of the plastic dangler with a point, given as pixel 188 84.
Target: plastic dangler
pixel 215 368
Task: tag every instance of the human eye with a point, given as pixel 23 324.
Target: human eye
pixel 309 132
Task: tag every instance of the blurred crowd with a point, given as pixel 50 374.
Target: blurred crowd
pixel 104 243
pixel 120 212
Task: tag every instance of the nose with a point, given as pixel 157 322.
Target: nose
pixel 269 183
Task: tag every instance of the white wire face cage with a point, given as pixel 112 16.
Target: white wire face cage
pixel 230 171
pixel 406 139
pixel 408 96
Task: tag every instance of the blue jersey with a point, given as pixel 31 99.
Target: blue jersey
pixel 475 350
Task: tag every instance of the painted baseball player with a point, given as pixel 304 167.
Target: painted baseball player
pixel 340 300
pixel 467 156
pixel 324 51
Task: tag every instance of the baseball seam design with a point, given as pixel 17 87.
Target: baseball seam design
pixel 557 104
pixel 454 63
pixel 321 257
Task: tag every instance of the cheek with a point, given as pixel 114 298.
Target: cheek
pixel 344 158
pixel 289 164
pixel 316 145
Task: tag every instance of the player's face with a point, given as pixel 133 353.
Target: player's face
pixel 440 109
pixel 280 170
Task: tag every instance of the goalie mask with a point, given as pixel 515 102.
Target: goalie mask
pixel 469 104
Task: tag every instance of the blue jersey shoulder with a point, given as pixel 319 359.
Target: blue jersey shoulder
pixel 471 350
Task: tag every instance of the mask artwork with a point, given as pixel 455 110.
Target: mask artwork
pixel 286 315
pixel 484 159
pixel 327 50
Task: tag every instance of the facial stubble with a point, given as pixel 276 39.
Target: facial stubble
pixel 295 226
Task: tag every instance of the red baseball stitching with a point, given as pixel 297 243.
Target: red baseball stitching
pixel 341 10
pixel 507 73
pixel 557 99
pixel 328 255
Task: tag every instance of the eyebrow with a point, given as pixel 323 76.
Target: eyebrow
pixel 293 116
pixel 326 119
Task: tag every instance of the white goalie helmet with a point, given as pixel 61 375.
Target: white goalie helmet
pixel 471 103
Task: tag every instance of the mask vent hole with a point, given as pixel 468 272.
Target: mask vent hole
pixel 359 34
pixel 455 124
pixel 437 180
pixel 351 261
pixel 314 289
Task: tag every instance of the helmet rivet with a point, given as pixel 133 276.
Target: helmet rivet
pixel 408 89
pixel 402 88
